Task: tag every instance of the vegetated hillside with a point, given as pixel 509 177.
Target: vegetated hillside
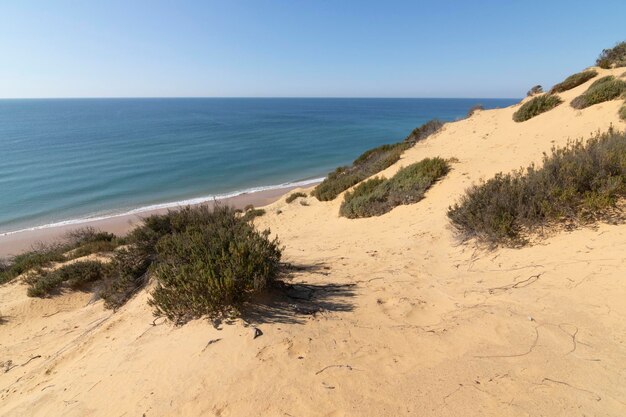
pixel 385 316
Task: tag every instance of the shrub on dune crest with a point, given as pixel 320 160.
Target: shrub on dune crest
pixel 293 196
pixel 613 57
pixel 577 183
pixel 371 162
pixel 474 109
pixel 604 89
pixel 366 165
pixel 537 89
pixel 429 128
pixel 536 106
pixel 574 81
pixel 378 196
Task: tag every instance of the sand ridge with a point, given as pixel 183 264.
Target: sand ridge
pixel 390 315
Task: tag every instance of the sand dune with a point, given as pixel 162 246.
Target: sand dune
pixel 390 315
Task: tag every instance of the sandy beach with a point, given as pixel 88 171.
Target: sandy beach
pixel 15 243
pixel 392 315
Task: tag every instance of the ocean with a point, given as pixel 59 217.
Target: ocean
pixel 64 160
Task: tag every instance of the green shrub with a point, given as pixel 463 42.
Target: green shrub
pixel 85 241
pixel 536 106
pixel 613 57
pixel 622 112
pixel 474 109
pixel 127 274
pixel 422 132
pixel 604 89
pixel 130 266
pixel 74 276
pixel 252 214
pixel 537 89
pixel 577 183
pixel 40 256
pixel 293 196
pixel 378 196
pixel 212 267
pixel 371 162
pixel 75 244
pixel 574 81
pixel 366 165
pixel 218 244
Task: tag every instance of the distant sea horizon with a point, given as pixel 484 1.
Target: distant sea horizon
pixel 69 160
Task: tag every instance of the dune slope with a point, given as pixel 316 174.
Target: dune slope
pixel 389 315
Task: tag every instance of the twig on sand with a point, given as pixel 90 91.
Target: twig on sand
pixel 349 367
pixel 211 342
pixel 11 365
pixel 520 284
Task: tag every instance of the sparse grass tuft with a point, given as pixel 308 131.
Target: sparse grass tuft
pixel 536 106
pixel 579 183
pixel 371 162
pixel 74 276
pixel 613 57
pixel 573 81
pixel 378 196
pixel 293 196
pixel 604 89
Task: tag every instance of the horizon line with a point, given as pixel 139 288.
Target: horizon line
pixel 257 97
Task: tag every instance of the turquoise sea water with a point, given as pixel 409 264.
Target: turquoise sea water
pixel 69 159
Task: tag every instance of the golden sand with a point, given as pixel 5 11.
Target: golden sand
pixel 410 321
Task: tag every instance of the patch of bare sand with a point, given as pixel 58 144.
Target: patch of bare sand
pixel 410 322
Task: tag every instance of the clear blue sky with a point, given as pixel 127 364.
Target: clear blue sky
pixel 146 48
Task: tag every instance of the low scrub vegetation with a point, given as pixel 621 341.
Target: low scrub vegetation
pixel 536 106
pixel 422 132
pixel 73 276
pixel 604 89
pixel 537 89
pixel 39 256
pixel 212 265
pixel 253 213
pixel 613 57
pixel 293 196
pixel 378 196
pixel 574 81
pixel 579 183
pixel 622 112
pixel 474 109
pixel 205 262
pixel 75 244
pixel 370 163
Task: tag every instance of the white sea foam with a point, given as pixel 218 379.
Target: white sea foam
pixel 173 204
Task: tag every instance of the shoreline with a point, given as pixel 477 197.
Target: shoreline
pixel 14 243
